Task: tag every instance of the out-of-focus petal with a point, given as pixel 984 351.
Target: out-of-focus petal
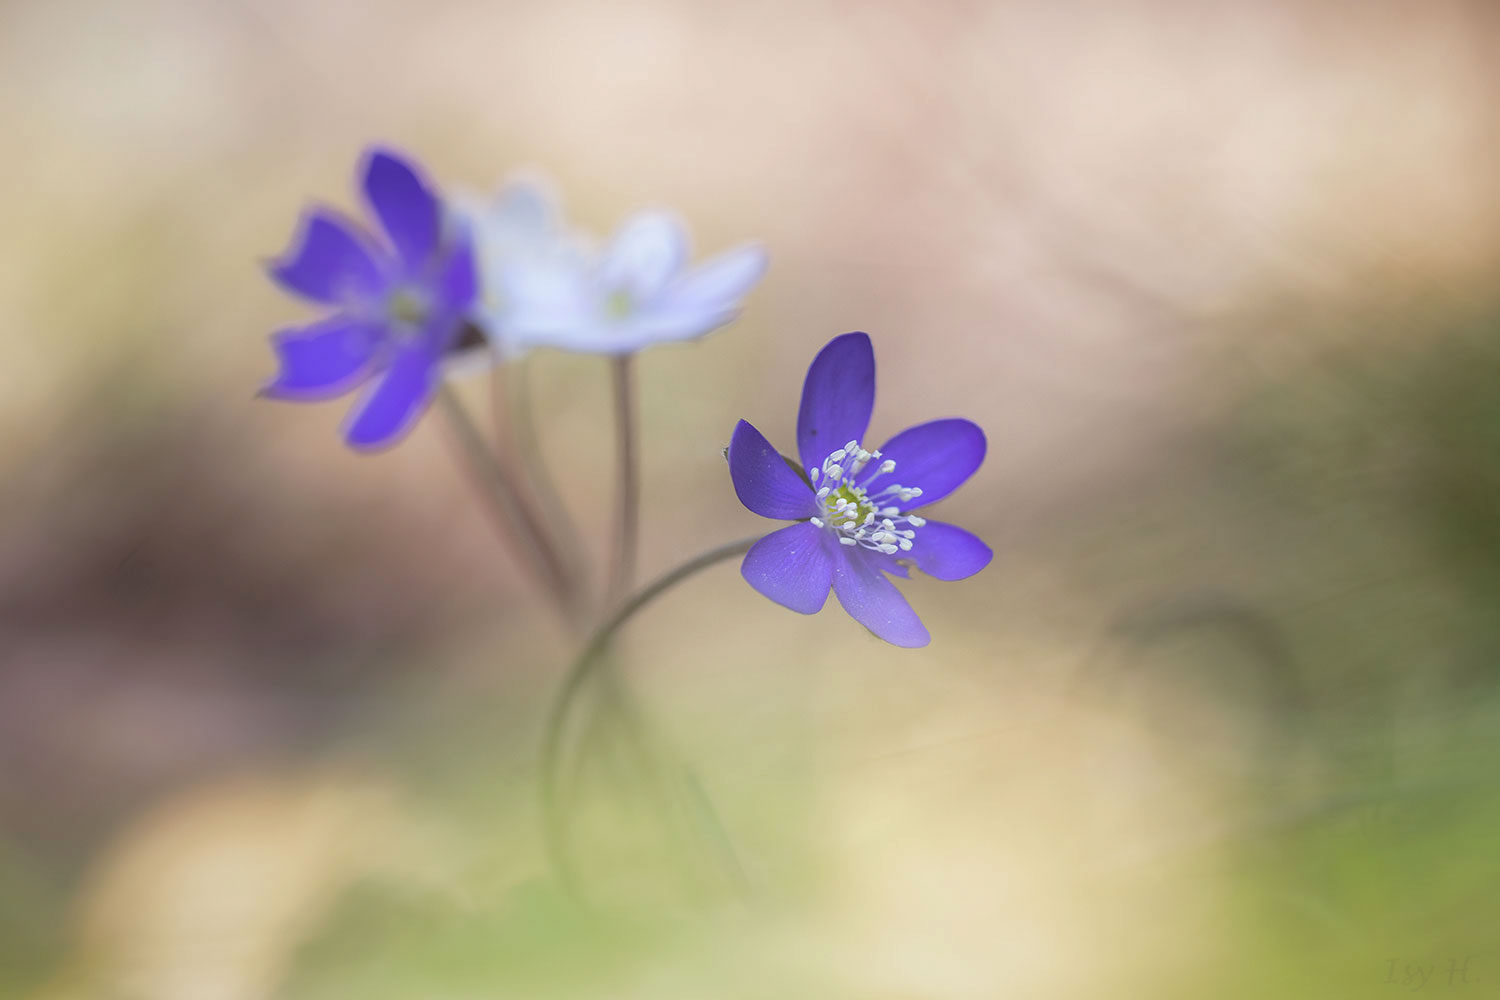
pixel 535 303
pixel 457 283
pixel 323 360
pixel 520 226
pixel 718 284
pixel 644 256
pixel 524 210
pixel 792 567
pixel 662 326
pixel 330 261
pixel 390 409
pixel 589 337
pixel 838 397
pixel 404 203
pixel 935 457
pixel 763 481
pixel 873 601
pixel 702 303
pixel 947 552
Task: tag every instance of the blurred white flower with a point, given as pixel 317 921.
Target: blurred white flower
pixel 521 244
pixel 544 285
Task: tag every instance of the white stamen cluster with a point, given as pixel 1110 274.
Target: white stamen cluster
pixel 859 517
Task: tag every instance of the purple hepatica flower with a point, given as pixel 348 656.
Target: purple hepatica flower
pixel 398 304
pixel 634 292
pixel 855 508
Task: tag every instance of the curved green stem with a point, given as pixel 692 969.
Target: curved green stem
pixel 578 674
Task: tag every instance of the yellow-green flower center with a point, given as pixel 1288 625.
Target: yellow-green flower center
pixel 864 515
pixel 619 304
pixel 407 307
pixel 854 513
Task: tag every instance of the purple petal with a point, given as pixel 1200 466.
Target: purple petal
pixel 874 601
pixel 324 360
pixel 405 205
pixel 329 262
pixel 645 255
pixel 389 409
pixel 762 479
pixel 837 398
pixel 934 457
pixel 947 552
pixel 458 281
pixel 792 566
pixel 718 284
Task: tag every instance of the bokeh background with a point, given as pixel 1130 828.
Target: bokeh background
pixel 1218 279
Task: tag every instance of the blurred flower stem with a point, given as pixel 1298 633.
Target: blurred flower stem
pixel 516 433
pixel 590 661
pixel 517 524
pixel 627 525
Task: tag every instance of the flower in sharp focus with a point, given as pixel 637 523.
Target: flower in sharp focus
pixel 635 291
pixel 398 301
pixel 855 508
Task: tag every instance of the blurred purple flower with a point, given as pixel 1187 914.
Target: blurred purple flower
pixel 398 303
pixel 855 511
pixel 636 291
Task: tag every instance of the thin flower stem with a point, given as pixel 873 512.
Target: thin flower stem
pixel 627 527
pixel 500 403
pixel 563 531
pixel 694 808
pixel 533 499
pixel 507 508
pixel 582 669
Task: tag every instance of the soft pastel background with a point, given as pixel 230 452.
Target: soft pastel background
pixel 1222 718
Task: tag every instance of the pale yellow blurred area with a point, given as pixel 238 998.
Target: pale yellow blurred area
pixel 1217 279
pixel 206 894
